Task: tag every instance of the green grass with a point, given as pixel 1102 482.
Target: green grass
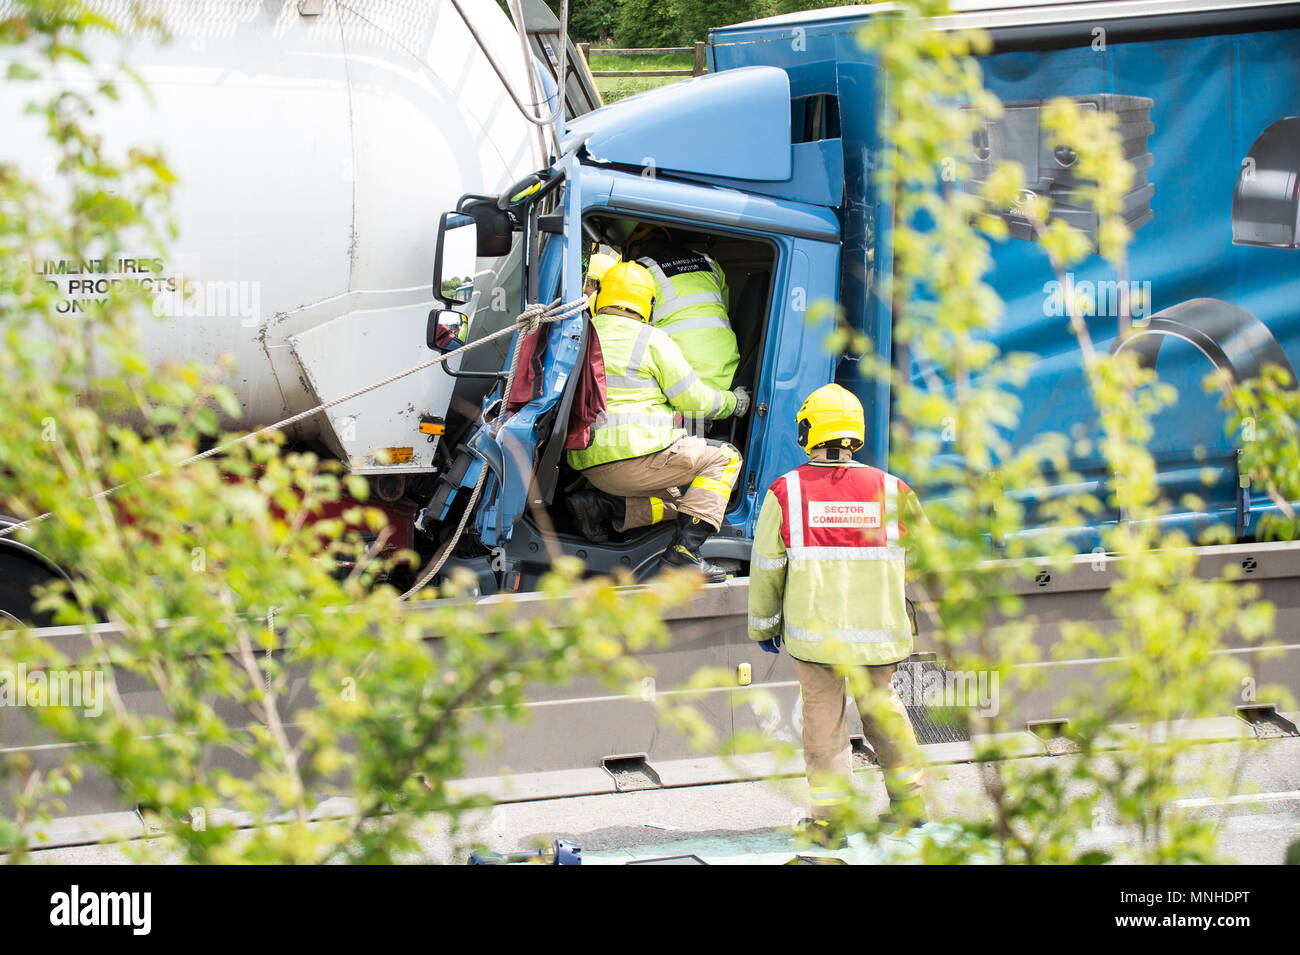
pixel 682 61
pixel 614 88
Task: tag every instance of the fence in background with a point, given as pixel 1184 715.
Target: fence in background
pixel 699 68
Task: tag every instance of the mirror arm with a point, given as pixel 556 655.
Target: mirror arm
pixel 549 186
pixel 505 200
pixel 471 197
pixel 480 375
pixel 550 181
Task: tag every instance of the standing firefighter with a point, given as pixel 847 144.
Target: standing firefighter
pixel 827 578
pixel 640 458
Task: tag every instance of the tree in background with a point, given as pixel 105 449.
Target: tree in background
pixel 652 23
pixel 589 20
pixel 694 20
pixel 647 23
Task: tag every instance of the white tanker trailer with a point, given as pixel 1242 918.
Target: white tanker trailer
pixel 316 145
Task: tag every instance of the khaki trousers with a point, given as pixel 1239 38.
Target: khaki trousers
pixel 826 750
pixel 651 484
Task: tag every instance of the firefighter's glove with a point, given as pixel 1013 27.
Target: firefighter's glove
pixel 771 646
pixel 742 401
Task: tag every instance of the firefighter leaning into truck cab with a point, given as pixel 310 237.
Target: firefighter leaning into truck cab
pixel 691 302
pixel 640 458
pixel 827 578
pixel 597 265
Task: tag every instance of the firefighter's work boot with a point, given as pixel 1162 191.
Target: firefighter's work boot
pixel 905 786
pixel 684 551
pixel 591 509
pixel 828 835
pixel 905 814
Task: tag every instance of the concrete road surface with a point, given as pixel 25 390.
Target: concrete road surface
pixel 747 822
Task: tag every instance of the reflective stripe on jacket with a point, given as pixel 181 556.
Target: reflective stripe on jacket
pixel 647 381
pixel 827 570
pixel 691 306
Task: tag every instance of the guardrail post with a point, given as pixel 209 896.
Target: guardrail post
pixel 701 61
pixel 585 50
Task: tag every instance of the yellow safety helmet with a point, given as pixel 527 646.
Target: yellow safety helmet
pixel 645 230
pixel 599 264
pixel 630 286
pixel 831 413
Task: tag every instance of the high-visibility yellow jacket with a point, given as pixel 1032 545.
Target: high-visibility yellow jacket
pixel 691 302
pixel 827 570
pixel 647 382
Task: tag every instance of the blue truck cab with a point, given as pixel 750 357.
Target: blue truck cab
pixel 766 164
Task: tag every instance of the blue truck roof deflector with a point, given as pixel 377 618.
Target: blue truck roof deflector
pixel 734 124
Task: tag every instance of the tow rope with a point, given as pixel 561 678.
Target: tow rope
pixel 532 318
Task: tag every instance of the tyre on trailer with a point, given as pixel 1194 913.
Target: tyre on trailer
pixel 21 571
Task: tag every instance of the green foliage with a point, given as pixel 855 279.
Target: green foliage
pixel 227 587
pixel 1163 654
pixel 241 597
pixel 1262 416
pixel 589 20
pixel 773 8
pixel 612 89
pixel 450 285
pixel 1162 661
pixel 641 24
pixel 694 20
pixel 647 23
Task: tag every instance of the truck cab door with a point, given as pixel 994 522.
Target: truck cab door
pixel 532 437
pixel 781 259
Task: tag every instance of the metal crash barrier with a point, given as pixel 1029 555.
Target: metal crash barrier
pixel 583 738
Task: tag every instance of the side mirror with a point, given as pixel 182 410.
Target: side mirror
pixel 494 228
pixel 447 330
pixel 453 260
pixel 459 246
